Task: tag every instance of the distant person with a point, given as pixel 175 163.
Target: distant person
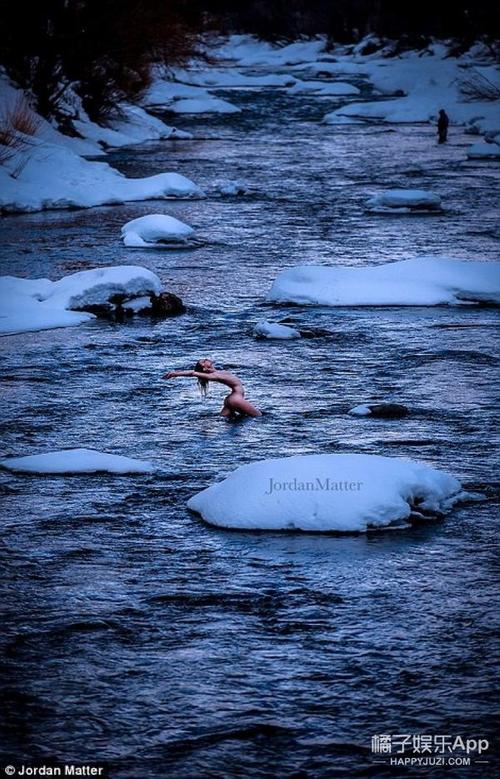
pixel 235 402
pixel 443 123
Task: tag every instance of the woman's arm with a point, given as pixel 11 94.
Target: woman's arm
pixel 176 374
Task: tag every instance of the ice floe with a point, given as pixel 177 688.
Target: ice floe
pixel 76 461
pixel 484 150
pixel 328 89
pixel 423 281
pixel 155 230
pixel 327 493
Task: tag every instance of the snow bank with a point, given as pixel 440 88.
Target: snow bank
pixel 55 177
pixel 271 330
pixel 40 304
pixel 326 492
pixel 425 84
pixel 250 52
pixel 130 125
pixel 423 281
pixel 155 230
pixel 76 461
pixel 404 201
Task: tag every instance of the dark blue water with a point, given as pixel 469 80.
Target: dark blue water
pixel 135 634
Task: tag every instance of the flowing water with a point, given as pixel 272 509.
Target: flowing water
pixel 137 635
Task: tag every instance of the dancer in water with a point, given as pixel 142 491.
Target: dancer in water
pixel 235 402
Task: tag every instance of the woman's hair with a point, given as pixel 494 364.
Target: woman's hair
pixel 202 383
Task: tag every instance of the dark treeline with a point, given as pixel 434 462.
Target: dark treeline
pixel 103 49
pixel 346 21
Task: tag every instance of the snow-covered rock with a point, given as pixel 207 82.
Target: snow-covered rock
pixel 404 201
pixel 230 78
pixel 203 105
pixel 484 151
pixel 326 493
pixel 272 330
pixel 76 461
pixel 155 230
pixel 55 177
pixel 423 281
pixel 40 304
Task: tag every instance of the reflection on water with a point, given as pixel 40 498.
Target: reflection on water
pixel 137 634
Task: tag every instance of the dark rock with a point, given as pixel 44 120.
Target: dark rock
pixel 388 410
pixel 166 304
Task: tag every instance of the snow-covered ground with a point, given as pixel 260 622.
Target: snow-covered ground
pixel 423 281
pixel 76 461
pixel 155 230
pixel 40 304
pixel 325 493
pixel 51 170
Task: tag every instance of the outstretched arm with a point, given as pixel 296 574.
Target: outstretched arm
pixel 190 374
pixel 176 374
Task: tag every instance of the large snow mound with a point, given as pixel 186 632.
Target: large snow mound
pixel 55 177
pixel 326 492
pixel 404 201
pixel 423 281
pixel 76 461
pixel 40 304
pixel 155 230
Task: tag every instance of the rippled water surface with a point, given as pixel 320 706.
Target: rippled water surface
pixel 137 635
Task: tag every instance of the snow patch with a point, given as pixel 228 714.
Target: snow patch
pixel 404 201
pixel 76 461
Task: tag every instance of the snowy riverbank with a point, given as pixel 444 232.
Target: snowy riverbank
pixel 52 169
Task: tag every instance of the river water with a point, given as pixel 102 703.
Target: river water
pixel 137 635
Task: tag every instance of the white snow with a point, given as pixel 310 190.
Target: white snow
pixel 404 201
pixel 423 281
pixel 40 304
pixel 326 492
pixel 155 230
pixel 272 330
pixel 76 461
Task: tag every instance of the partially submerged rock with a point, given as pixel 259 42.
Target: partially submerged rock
pixel 380 410
pixel 272 330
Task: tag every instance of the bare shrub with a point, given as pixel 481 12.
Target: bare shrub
pixel 476 86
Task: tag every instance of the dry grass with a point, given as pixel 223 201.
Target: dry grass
pixel 18 126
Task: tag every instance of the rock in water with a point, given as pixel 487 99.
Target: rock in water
pixel 166 304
